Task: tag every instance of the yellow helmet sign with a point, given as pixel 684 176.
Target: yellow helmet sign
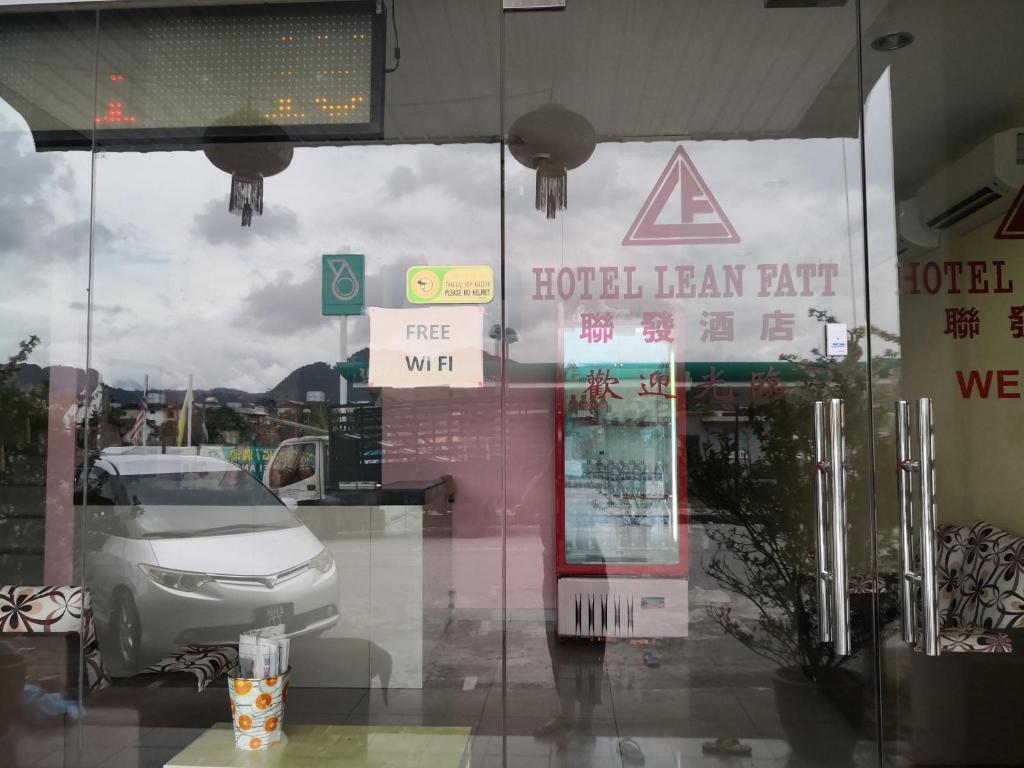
pixel 449 285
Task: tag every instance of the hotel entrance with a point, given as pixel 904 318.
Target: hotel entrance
pixel 449 383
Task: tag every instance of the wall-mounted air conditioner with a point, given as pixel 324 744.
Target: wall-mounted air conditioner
pixel 975 189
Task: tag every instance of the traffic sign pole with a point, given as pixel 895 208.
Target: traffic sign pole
pixel 343 357
pixel 343 290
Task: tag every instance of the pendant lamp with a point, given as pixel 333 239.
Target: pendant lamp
pixel 249 163
pixel 552 140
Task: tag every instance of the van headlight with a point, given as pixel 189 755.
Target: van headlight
pixel 322 562
pixel 183 581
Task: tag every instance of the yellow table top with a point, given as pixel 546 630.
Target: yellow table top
pixel 332 746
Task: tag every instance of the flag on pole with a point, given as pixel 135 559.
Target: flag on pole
pixel 94 406
pixel 185 415
pixel 70 416
pixel 137 434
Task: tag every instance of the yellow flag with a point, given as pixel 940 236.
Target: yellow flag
pixel 183 414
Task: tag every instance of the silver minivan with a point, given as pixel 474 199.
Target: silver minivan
pixel 191 550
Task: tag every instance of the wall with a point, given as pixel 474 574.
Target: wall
pixel 430 432
pixel 979 440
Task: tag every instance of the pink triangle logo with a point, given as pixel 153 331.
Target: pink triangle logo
pixel 696 218
pixel 1012 226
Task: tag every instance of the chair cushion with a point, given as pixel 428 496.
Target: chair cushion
pixel 206 663
pixel 981 577
pixel 967 641
pixel 950 565
pixel 40 609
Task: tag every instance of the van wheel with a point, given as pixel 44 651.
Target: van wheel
pixel 127 631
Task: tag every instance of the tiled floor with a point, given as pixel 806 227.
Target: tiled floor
pixel 685 693
pixel 695 690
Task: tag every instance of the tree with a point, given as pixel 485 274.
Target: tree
pixel 763 525
pixel 22 412
pixel 23 418
pixel 223 419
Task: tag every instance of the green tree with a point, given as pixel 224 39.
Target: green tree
pixel 22 412
pixel 23 419
pixel 762 522
pixel 223 419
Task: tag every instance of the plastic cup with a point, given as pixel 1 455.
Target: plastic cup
pixel 257 710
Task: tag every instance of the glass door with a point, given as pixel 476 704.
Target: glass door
pixel 689 568
pixel 945 165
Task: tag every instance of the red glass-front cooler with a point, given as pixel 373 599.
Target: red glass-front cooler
pixel 621 477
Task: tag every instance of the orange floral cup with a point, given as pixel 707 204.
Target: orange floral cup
pixel 257 710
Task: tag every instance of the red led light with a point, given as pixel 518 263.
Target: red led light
pixel 115 112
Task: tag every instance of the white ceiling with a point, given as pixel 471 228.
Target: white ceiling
pixel 958 83
pixel 634 68
pixel 721 68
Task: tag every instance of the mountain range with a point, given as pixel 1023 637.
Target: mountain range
pixel 314 377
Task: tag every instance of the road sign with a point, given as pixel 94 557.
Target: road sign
pixel 343 284
pixel 695 218
pixel 449 285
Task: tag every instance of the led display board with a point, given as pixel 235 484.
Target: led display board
pixel 183 76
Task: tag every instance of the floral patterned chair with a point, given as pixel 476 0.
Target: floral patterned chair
pixel 964 704
pixel 55 610
pixel 68 609
pixel 981 587
pixel 57 625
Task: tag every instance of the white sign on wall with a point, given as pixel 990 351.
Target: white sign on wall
pixel 426 347
pixel 836 339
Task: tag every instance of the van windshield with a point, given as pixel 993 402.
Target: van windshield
pixel 202 504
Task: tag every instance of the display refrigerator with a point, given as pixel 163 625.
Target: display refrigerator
pixel 621 530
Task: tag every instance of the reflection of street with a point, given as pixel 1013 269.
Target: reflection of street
pixel 407 659
pixel 577 671
pixel 393 595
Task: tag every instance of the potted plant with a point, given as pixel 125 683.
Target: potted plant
pixel 762 528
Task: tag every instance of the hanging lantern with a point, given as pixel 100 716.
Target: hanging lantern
pixel 249 163
pixel 552 140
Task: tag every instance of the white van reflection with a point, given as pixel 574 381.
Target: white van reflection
pixel 191 550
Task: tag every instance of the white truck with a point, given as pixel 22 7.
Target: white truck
pixel 343 468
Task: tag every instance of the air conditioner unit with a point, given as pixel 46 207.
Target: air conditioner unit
pixel 975 189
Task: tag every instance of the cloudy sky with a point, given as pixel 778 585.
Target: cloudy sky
pixel 181 288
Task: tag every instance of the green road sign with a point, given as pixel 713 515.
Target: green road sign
pixel 343 284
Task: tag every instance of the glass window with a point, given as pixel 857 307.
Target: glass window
pixel 585 343
pixel 182 505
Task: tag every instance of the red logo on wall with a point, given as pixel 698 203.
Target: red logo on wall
pixel 694 218
pixel 1012 227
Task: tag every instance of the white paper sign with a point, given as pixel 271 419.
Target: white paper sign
pixel 426 347
pixel 835 339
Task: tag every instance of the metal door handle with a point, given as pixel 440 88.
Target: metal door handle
pixel 910 578
pixel 905 467
pixel 840 567
pixel 929 590
pixel 830 496
pixel 821 467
